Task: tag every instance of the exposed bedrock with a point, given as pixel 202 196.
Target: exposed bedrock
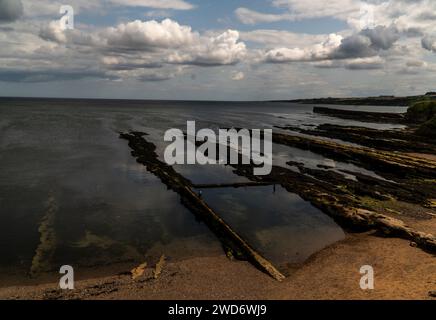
pixel 339 202
pixel 346 201
pixel 387 140
pixel 389 164
pixel 378 117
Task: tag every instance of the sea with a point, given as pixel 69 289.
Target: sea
pixel 72 194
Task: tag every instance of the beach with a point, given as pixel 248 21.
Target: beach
pixel 402 272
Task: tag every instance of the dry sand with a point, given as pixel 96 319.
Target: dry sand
pixel 401 272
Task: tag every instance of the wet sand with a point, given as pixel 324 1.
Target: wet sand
pixel 402 271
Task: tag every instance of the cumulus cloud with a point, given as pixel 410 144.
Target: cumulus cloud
pixel 320 51
pixel 155 50
pixel 365 44
pixel 156 43
pixel 224 49
pixel 355 46
pixel 429 43
pixel 140 35
pixel 382 37
pixel 10 10
pixel 53 32
pixel 411 17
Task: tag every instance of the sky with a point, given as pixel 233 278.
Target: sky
pixel 217 50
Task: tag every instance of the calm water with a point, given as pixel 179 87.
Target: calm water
pixel 67 178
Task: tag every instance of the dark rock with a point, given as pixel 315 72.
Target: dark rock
pixel 379 117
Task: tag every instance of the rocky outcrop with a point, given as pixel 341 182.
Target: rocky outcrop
pixel 386 140
pixel 379 117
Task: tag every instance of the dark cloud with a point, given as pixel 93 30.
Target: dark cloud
pixel 429 43
pixel 355 46
pixel 382 37
pixel 367 43
pixel 33 76
pixel 133 66
pixel 10 10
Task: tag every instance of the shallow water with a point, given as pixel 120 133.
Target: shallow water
pixel 64 168
pixel 280 225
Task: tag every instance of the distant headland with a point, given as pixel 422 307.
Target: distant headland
pixel 372 101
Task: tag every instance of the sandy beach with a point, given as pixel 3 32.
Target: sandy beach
pixel 401 272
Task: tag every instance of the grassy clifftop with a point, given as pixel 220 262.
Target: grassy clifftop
pixel 423 113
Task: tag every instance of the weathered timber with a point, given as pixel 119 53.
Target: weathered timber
pixel 145 153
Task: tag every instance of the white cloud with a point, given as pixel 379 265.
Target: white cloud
pixel 364 47
pixel 189 47
pixel 159 50
pixel 320 51
pixel 249 16
pixel 224 49
pixel 53 32
pixel 410 17
pixel 151 34
pixel 165 42
pixel 429 43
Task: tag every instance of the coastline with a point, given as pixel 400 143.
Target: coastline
pixel 402 271
pixel 389 223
